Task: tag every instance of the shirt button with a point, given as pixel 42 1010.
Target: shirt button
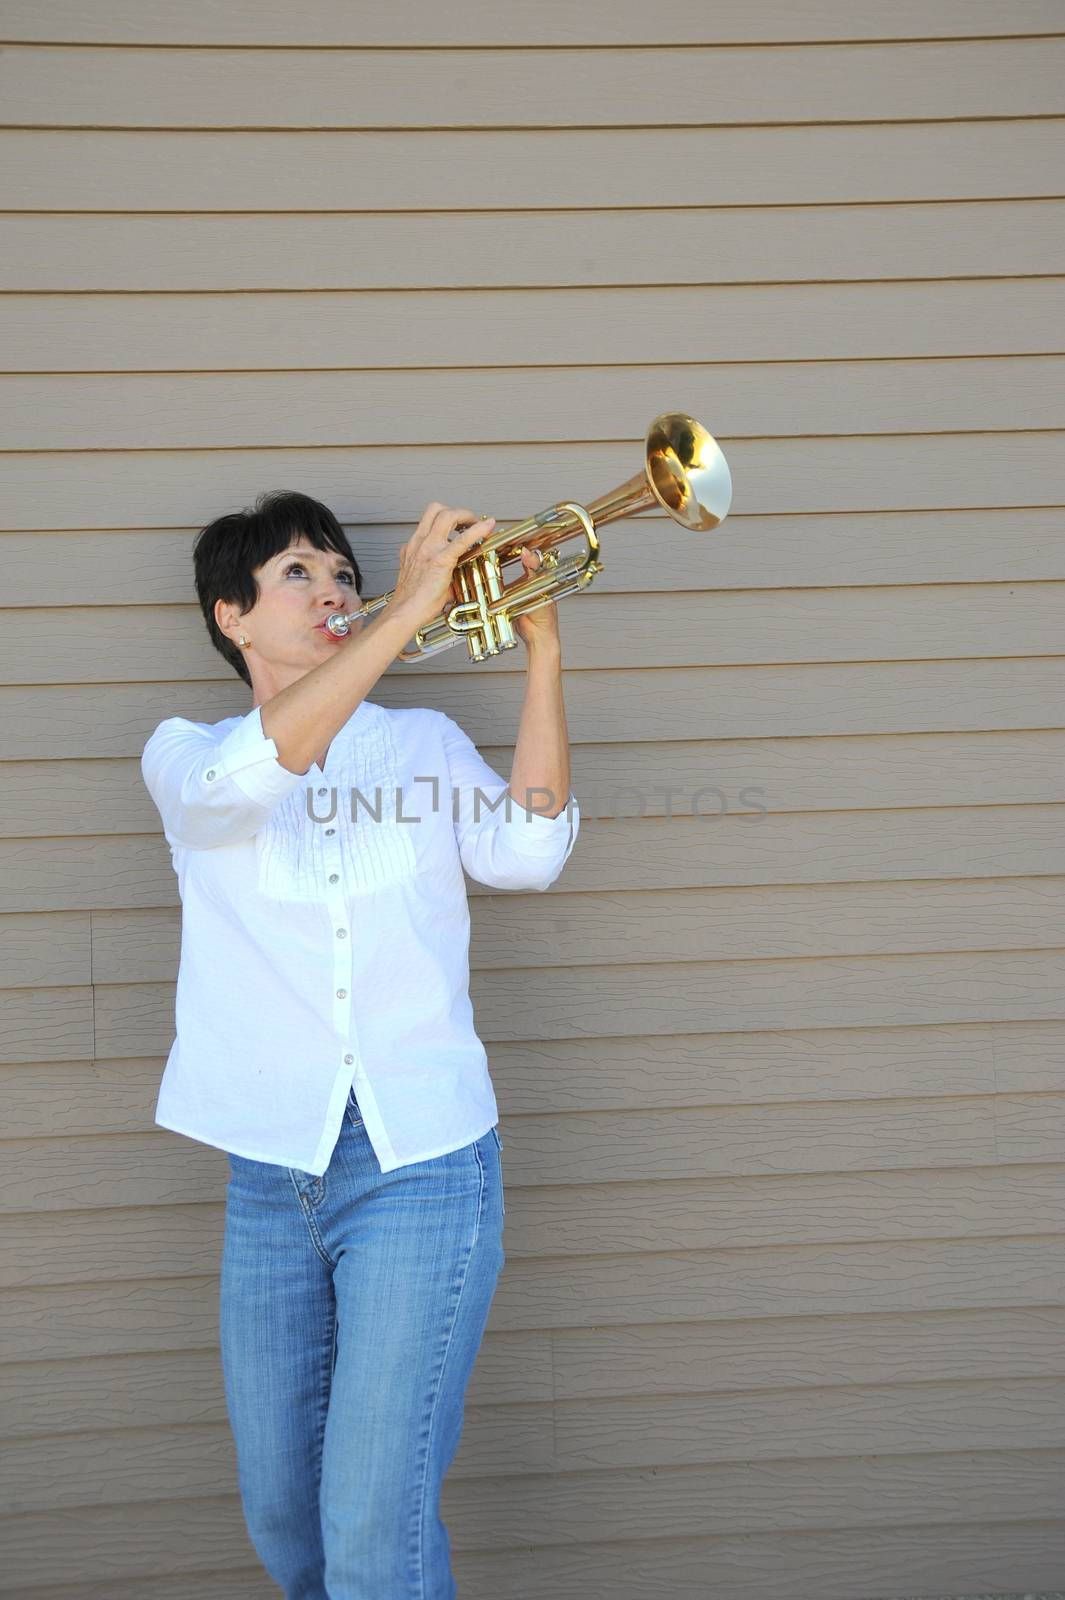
pixel 342 994
pixel 323 791
pixel 334 877
pixel 342 933
pixel 328 831
pixel 348 1060
pixel 210 775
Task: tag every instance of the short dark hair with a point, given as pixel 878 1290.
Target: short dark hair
pixel 228 550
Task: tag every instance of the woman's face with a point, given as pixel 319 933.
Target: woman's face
pixel 298 590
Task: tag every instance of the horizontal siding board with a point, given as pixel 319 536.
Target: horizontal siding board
pixel 68 86
pixel 1030 1128
pixel 68 1394
pixel 74 1243
pixel 45 952
pixel 956 1560
pixel 682 997
pixel 95 1096
pixel 1031 1058
pixel 801 1066
pixel 41 799
pixel 795 1065
pixel 692 1143
pixel 858 1492
pixel 692 243
pixel 799 1352
pixel 658 1288
pixel 743 1141
pixel 821 1424
pixel 115 644
pixel 105 567
pixel 674 925
pixel 135 871
pixel 721 924
pixel 501 169
pixel 78 1097
pixel 131 871
pixel 811 1424
pixel 60 489
pixel 776 1282
pixel 509 327
pixel 692 996
pixel 190 1545
pixel 289 410
pixel 88 1241
pixel 713 1497
pixel 869 1137
pixel 554 22
pixel 74 721
pixel 46 1024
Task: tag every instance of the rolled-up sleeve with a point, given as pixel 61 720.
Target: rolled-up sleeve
pixel 213 791
pixel 503 845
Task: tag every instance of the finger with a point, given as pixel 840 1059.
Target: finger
pixel 448 519
pixel 423 531
pixel 475 532
pixel 425 521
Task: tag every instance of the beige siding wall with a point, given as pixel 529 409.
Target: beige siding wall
pixel 782 1089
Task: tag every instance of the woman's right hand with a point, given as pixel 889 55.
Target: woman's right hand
pixel 428 560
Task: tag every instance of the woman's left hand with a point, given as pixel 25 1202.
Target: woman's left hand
pixel 539 626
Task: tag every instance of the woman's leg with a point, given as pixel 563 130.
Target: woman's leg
pixel 417 1254
pixel 277 1325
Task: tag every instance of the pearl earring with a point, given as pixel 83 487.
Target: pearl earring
pixel 244 643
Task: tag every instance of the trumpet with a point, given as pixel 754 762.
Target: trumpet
pixel 684 472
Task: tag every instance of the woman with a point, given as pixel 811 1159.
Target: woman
pixel 325 1038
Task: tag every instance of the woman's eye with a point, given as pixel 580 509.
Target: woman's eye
pixel 297 566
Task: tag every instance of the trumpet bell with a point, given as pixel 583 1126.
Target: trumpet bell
pixel 687 471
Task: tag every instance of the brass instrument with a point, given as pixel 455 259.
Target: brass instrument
pixel 685 472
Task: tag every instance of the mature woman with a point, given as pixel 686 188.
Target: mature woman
pixel 325 1037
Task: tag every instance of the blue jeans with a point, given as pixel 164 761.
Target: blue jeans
pixel 352 1307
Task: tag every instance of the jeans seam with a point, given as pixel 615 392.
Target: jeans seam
pixel 440 1373
pixel 315 1236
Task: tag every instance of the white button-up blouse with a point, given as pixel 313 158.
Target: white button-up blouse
pixel 325 932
